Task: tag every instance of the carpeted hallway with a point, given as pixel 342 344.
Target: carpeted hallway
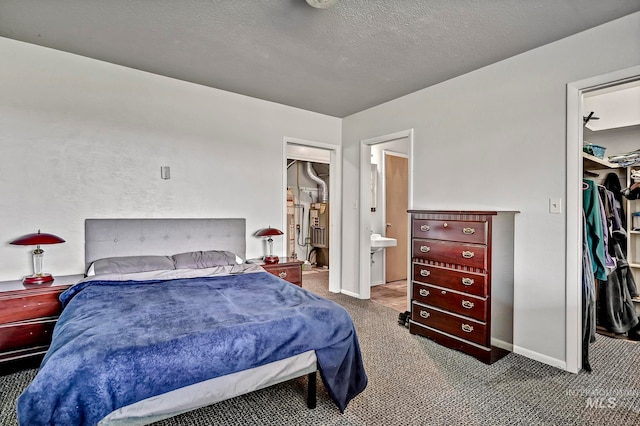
pixel 413 381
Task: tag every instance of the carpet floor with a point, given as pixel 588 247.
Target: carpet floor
pixel 414 381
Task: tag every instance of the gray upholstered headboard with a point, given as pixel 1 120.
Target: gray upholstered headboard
pixel 134 237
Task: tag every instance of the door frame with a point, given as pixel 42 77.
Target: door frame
pixel 365 202
pixel 573 307
pixel 335 204
pixel 390 152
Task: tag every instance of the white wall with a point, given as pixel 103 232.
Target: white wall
pixel 496 139
pixel 81 138
pixel 617 141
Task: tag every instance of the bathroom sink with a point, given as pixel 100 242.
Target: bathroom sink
pixel 378 242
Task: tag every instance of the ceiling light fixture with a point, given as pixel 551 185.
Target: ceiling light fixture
pixel 322 4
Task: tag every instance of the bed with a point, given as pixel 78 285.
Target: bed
pixel 170 319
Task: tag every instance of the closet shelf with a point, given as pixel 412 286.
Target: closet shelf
pixel 592 162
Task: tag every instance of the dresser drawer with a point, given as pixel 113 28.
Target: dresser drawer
pixel 451 301
pixel 454 279
pixel 466 328
pixel 471 255
pixel 291 273
pixel 451 230
pixel 26 334
pixel 19 307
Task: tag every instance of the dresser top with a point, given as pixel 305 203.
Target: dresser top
pixel 58 281
pixel 466 212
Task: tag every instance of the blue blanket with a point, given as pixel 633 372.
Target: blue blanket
pixel 117 343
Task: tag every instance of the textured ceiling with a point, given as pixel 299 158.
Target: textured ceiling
pixel 336 61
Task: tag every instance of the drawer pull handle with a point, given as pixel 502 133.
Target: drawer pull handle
pixel 425 272
pixel 468 231
pixel 466 328
pixel 424 292
pixel 425 249
pixel 424 227
pixel 468 254
pixel 424 314
pixel 467 281
pixel 282 275
pixel 445 224
pixel 467 304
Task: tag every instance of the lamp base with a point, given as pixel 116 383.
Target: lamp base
pixel 271 259
pixel 37 279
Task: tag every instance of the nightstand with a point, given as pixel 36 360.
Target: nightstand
pixel 28 314
pixel 288 269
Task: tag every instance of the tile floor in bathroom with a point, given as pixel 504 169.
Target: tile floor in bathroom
pixel 392 295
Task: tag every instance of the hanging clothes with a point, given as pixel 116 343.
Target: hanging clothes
pixel 605 241
pixel 612 183
pixel 588 299
pixel 595 233
pixel 615 309
pixel 606 216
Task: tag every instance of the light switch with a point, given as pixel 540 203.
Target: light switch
pixel 555 205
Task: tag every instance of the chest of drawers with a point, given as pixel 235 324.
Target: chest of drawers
pixel 462 280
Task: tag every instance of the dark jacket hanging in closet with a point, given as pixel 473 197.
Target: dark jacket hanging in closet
pixel 606 240
pixel 588 299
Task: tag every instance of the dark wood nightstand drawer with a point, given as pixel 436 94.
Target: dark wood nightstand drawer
pixel 25 334
pixel 291 272
pixel 17 306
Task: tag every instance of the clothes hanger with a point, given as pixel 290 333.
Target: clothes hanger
pixel 585 186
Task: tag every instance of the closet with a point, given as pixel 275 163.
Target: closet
pixel 620 245
pixel 611 254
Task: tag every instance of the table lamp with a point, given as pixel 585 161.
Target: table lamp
pixel 37 239
pixel 269 232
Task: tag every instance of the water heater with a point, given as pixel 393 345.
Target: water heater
pixel 319 231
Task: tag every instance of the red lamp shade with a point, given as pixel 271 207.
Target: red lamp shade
pixel 37 239
pixel 269 232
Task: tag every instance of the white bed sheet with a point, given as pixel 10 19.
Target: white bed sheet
pixel 211 391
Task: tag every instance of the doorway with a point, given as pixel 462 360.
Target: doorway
pixel 400 142
pixel 326 158
pixel 396 195
pixel 575 137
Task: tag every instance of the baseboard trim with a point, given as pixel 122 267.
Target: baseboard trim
pixel 536 356
pixel 502 344
pixel 350 293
